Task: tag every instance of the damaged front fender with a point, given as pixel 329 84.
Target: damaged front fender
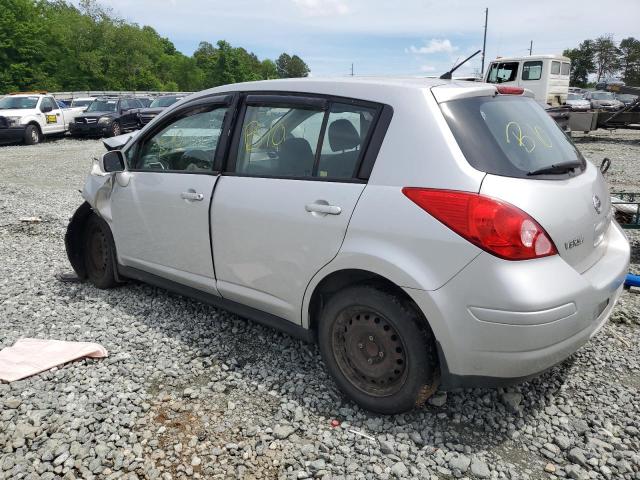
pixel 97 194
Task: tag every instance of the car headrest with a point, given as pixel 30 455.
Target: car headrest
pixel 296 148
pixel 343 135
pixel 296 157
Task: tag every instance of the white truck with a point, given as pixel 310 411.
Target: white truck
pixel 30 117
pixel 547 76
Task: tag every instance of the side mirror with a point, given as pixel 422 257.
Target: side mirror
pixel 112 161
pixel 46 109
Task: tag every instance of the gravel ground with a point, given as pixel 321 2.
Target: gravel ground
pixel 190 391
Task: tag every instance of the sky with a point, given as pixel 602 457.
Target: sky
pixel 401 37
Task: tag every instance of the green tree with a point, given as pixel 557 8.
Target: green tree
pixel 291 67
pixel 581 63
pixel 630 60
pixel 60 45
pixel 606 57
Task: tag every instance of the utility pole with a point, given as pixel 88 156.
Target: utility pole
pixel 484 41
pixel 531 48
pixel 352 69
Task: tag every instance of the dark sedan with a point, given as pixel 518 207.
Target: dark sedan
pixel 145 115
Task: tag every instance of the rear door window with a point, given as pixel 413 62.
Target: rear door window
pixel 503 72
pixel 347 128
pixel 508 135
pixel 532 70
pixel 304 141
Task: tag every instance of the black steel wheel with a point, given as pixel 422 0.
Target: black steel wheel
pixel 98 253
pixel 378 349
pixel 369 351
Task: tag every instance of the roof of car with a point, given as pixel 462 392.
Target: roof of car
pixel 532 57
pixel 379 89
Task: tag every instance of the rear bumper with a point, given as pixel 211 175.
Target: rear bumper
pixel 499 322
pixel 12 134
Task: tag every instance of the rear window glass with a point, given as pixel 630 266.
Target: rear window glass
pixel 555 68
pixel 508 136
pixel 566 67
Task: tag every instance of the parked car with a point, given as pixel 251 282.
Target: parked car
pixel 605 84
pixel 409 226
pixel 626 98
pixel 145 101
pixel 145 115
pixel 82 102
pixel 603 100
pixel 30 117
pixel 577 90
pixel 107 117
pixel 578 103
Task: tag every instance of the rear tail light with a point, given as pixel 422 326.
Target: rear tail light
pixel 493 225
pixel 507 90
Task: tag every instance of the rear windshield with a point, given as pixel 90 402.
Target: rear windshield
pixel 510 136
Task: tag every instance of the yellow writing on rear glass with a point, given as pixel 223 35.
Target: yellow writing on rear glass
pixel 514 132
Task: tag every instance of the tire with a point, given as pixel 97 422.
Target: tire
pixel 98 253
pixel 378 349
pixel 32 135
pixel 115 129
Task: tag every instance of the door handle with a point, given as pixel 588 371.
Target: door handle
pixel 323 208
pixel 192 196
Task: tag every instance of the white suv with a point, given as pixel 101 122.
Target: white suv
pixel 420 230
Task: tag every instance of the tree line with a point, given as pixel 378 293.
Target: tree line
pixel 56 46
pixel 604 59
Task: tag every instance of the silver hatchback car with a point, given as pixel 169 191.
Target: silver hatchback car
pixel 421 231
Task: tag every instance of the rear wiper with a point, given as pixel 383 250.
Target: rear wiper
pixel 563 167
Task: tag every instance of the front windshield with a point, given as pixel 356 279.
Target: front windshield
pixel 18 103
pixel 163 102
pixel 102 106
pixel 603 96
pixel 508 135
pixel 81 103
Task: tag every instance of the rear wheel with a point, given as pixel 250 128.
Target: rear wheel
pixel 378 349
pixel 99 257
pixel 32 135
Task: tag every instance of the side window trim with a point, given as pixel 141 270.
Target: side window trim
pixel 212 101
pixel 370 145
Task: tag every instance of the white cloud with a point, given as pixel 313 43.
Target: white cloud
pixel 427 68
pixel 322 8
pixel 434 46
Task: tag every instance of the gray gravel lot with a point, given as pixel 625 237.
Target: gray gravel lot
pixel 190 391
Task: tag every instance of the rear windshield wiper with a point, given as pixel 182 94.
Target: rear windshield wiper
pixel 563 167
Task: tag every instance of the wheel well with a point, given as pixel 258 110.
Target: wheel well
pixel 346 278
pixel 74 240
pixel 37 125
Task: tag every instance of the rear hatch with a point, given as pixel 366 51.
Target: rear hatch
pixel 533 165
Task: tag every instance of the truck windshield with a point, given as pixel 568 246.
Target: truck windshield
pixel 18 103
pixel 511 136
pixel 163 102
pixel 102 106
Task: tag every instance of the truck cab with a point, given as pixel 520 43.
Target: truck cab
pixel 30 117
pixel 547 76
